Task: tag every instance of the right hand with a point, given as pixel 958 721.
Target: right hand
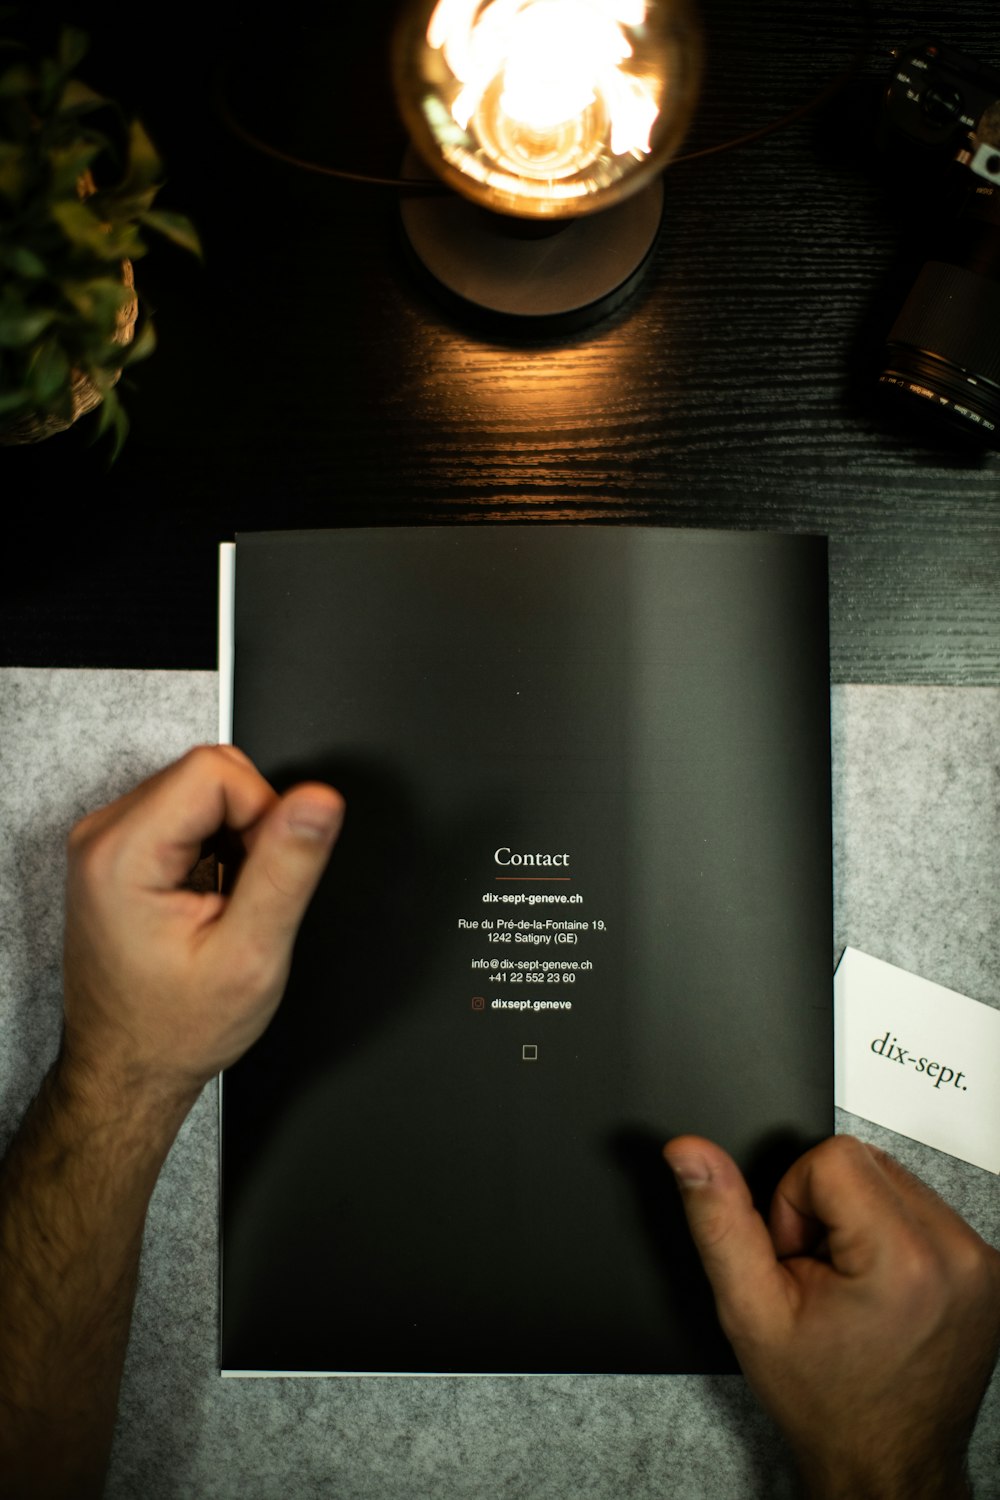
pixel 865 1315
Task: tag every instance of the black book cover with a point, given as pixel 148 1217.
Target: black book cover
pixel 581 903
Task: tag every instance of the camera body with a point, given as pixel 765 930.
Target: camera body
pixel 939 98
pixel 941 122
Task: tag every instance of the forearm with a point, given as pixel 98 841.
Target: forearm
pixel 887 1476
pixel 876 1451
pixel 74 1190
pixel 943 1485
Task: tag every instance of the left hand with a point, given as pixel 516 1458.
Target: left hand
pixel 164 986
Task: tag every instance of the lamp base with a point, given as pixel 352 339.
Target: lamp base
pixel 531 273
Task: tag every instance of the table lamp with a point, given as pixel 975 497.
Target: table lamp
pixel 551 120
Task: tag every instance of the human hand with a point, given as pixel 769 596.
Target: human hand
pixel 865 1315
pixel 164 986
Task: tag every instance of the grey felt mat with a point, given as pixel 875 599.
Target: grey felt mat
pixel 916 822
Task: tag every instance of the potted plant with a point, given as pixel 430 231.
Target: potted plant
pixel 77 186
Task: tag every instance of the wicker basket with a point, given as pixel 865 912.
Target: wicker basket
pixel 84 393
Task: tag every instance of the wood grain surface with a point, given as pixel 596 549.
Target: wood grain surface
pixel 305 377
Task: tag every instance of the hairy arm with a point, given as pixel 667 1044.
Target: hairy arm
pixel 163 988
pixel 74 1190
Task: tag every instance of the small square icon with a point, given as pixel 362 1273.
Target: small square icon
pixel 529 1052
pixel 479 1002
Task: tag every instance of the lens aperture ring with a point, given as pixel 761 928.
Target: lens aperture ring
pixel 953 313
pixel 943 352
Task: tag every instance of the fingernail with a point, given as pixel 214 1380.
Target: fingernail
pixel 690 1171
pixel 314 820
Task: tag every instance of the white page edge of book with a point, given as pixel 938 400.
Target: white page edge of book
pixel 227 631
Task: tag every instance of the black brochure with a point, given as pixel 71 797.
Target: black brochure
pixel 581 903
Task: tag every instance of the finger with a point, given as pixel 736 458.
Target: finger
pixel 113 812
pixel 841 1187
pixel 918 1207
pixel 159 829
pixel 282 869
pixel 796 1232
pixel 918 1196
pixel 232 849
pixel 730 1237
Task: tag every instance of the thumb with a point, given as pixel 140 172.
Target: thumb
pixel 287 856
pixel 729 1235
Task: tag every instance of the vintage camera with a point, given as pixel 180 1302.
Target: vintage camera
pixel 940 127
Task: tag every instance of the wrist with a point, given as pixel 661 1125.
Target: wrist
pixel 99 1096
pixel 905 1479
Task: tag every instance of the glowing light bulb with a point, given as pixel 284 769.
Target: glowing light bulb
pixel 547 108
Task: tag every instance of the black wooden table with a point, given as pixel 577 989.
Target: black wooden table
pixel 305 378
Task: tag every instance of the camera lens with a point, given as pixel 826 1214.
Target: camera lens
pixel 942 355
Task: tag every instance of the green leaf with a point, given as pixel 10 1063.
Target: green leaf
pixel 13 401
pixel 103 322
pixel 13 171
pixel 68 163
pixel 113 418
pixel 144 166
pixel 20 326
pixel 175 227
pixel 17 81
pixel 86 232
pixel 105 357
pixel 48 371
pixel 143 344
pixel 113 204
pixel 61 404
pixel 80 226
pixel 74 45
pixel 102 378
pixel 50 82
pixel 98 300
pixel 54 72
pixel 78 99
pixel 23 262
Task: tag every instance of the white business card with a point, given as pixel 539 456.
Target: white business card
pixel 917 1058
